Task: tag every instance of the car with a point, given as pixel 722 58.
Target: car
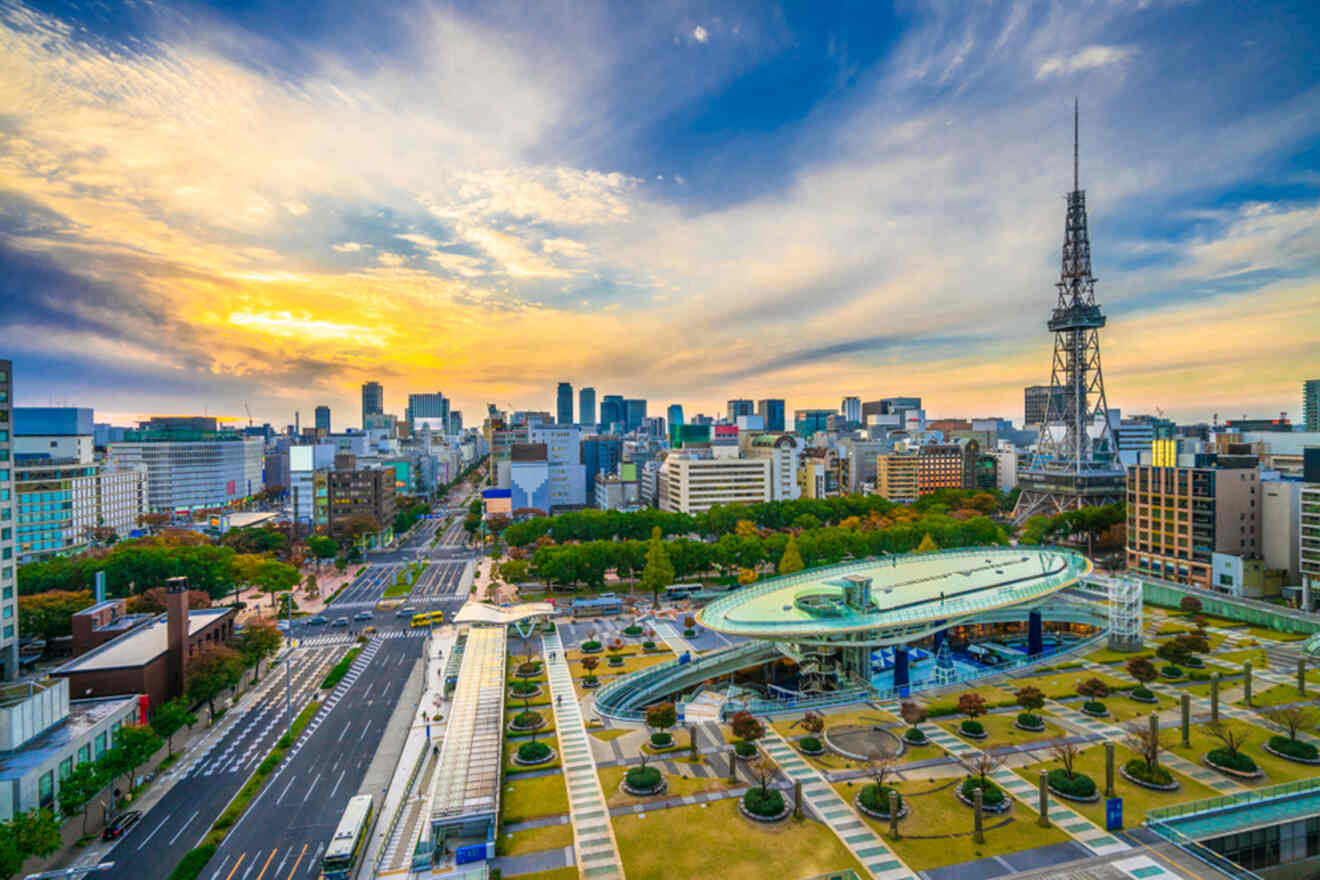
pixel 340 621
pixel 283 625
pixel 318 620
pixel 120 824
pixel 406 611
pixel 364 615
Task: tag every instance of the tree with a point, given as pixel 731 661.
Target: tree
pixel 813 723
pixel 49 615
pixel 1146 743
pixel 1190 605
pixel 879 765
pixel 927 545
pixel 980 764
pixel 791 561
pixel 257 641
pixel 589 663
pixel 277 577
pixel 1233 738
pixel 1142 670
pixel 1093 688
pixel 746 576
pixel 658 573
pixel 169 718
pixel 152 601
pixel 765 769
pixel 1173 651
pixel 211 673
pixel 912 713
pixel 322 547
pixel 1065 752
pixel 138 742
pixel 1292 718
pixel 745 726
pixel 972 705
pixel 662 716
pixel 34 833
pixel 77 790
pixel 1030 698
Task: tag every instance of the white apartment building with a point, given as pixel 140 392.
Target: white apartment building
pixel 8 564
pixel 694 485
pixel 185 475
pixel 784 452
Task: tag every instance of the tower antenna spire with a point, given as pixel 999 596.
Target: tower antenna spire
pixel 1075 187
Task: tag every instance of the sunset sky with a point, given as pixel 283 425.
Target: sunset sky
pixel 685 202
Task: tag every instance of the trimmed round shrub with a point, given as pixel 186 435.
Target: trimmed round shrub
pixel 1094 707
pixel 1137 769
pixel 590 680
pixel 914 734
pixel 744 749
pixel 532 752
pixel 689 633
pixel 1293 748
pixel 1171 672
pixel 615 660
pixel 633 630
pixel 648 645
pixel 763 803
pixel 662 740
pixel 528 719
pixel 643 778
pixel 991 794
pixel 1026 719
pixel 811 744
pixel 1143 693
pixel 591 646
pixel 1239 761
pixel 975 728
pixel 523 687
pixel 1078 785
pixel 1194 662
pixel 876 798
pixel 529 669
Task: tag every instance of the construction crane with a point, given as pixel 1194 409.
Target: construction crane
pixel 249 412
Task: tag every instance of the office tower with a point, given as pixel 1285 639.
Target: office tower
pixel 694 484
pixel 611 412
pixel 852 410
pixel 455 422
pixel 674 415
pixel 354 494
pixel 323 419
pixel 1038 400
pixel 587 406
pixel 190 464
pixel 1311 405
pixel 566 473
pixel 739 407
pixel 564 413
pixel 601 455
pixel 808 421
pixel 1076 461
pixel 887 406
pixel 634 414
pixel 772 411
pixel 422 407
pixel 373 400
pixel 8 566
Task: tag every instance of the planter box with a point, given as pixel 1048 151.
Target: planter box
pixel 513 728
pixel 815 754
pixel 902 809
pixel 1002 807
pixel 976 736
pixel 546 760
pixel 1021 726
pixel 1236 774
pixel 590 684
pixel 1088 712
pixel 1154 786
pixel 1136 699
pixel 1287 757
pixel 529 696
pixel 788 808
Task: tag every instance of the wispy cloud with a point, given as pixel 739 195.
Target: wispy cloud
pixel 1088 58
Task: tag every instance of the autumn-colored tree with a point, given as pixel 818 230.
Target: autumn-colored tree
pixel 589 662
pixel 745 726
pixel 152 601
pixel 746 576
pixel 972 705
pixel 1190 605
pixel 791 561
pixel 662 716
pixel 212 672
pixel 1093 688
pixel 1030 698
pixel 49 615
pixel 1142 670
pixel 927 545
pixel 813 723
pixel 912 713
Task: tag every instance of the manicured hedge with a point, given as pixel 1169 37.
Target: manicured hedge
pixel 764 803
pixel 643 778
pixel 648 645
pixel 524 687
pixel 1171 672
pixel 810 744
pixel 991 794
pixel 1095 707
pixel 633 630
pixel 340 669
pixel 689 633
pixel 1143 693
pixel 1239 761
pixel 744 749
pixel 1078 785
pixel 662 740
pixel 615 660
pixel 591 646
pixel 1026 719
pixel 914 734
pixel 1293 748
pixel 1137 769
pixel 876 798
pixel 528 719
pixel 532 752
pixel 975 728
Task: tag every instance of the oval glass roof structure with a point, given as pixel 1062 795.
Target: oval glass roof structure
pixel 899 595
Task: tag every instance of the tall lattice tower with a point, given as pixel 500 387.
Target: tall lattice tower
pixel 1076 462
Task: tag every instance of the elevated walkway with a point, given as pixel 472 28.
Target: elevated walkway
pixel 624 698
pixel 1245 811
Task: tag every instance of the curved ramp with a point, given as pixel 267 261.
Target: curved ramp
pixel 625 697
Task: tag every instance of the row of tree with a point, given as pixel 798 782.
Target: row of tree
pixel 1097 524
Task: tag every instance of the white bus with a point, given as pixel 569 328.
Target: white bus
pixel 350 837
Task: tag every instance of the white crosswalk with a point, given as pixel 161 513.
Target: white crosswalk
pixel 344 638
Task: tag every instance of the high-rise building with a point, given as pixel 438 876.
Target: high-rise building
pixel 566 473
pixel 1038 400
pixel 564 415
pixel 851 407
pixel 896 477
pixel 191 468
pixel 1180 518
pixel 887 406
pixel 739 407
pixel 373 400
pixel 611 412
pixel 1311 405
pixel 808 421
pixel 587 406
pixel 674 416
pixel 360 496
pixel 694 485
pixel 8 565
pixel 947 466
pixel 427 409
pixel 772 411
pixel 323 419
pixel 634 414
pixel 1076 461
pixel 455 422
pixel 601 455
pixel 1308 542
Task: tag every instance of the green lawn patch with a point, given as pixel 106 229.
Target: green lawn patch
pixel 1276 769
pixel 399 588
pixel 608 734
pixel 1002 732
pixel 340 669
pixel 518 843
pixel 1064 684
pixel 533 798
pixel 1276 696
pixel 1257 656
pixel 1276 636
pixel 1104 655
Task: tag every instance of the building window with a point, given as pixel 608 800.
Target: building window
pixel 46 789
pixel 100 744
pixel 85 754
pixel 66 767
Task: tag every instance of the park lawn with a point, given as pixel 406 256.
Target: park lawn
pixel 1002 732
pixel 1123 708
pixel 1064 684
pixel 1276 769
pixel 680 785
pixel 1259 660
pixel 715 840
pixel 534 797
pixel 938 813
pixel 555 874
pixel 1275 635
pixel 634 663
pixel 609 734
pixel 994 695
pixel 1136 800
pixel 1276 696
pixel 1105 655
pixel 517 843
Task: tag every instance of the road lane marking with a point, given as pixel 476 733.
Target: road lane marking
pixel 230 875
pixel 310 787
pixel 279 869
pixel 337 781
pixel 185 825
pixel 343 732
pixel 286 791
pixel 294 869
pixel 267 865
pixel 153 832
pixel 365 728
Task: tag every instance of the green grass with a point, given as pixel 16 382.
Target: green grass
pixel 1064 684
pixel 533 798
pixel 1104 655
pixel 1276 696
pixel 191 865
pixel 1257 657
pixel 1002 732
pixel 401 587
pixel 715 840
pixel 556 874
pixel 940 813
pixel 680 785
pixel 340 669
pixel 1276 769
pixel 1122 708
pixel 607 734
pixel 511 748
pixel 1136 800
pixel 1274 635
pixel 519 843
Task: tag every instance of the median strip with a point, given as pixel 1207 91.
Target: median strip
pixel 340 669
pixel 194 861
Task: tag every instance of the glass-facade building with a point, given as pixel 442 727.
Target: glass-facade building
pixel 8 564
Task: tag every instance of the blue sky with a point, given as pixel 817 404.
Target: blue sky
pixel 261 202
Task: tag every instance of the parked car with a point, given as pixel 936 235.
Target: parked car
pixel 340 621
pixel 364 615
pixel 120 824
pixel 318 620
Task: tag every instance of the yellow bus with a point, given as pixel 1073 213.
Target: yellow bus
pixel 426 618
